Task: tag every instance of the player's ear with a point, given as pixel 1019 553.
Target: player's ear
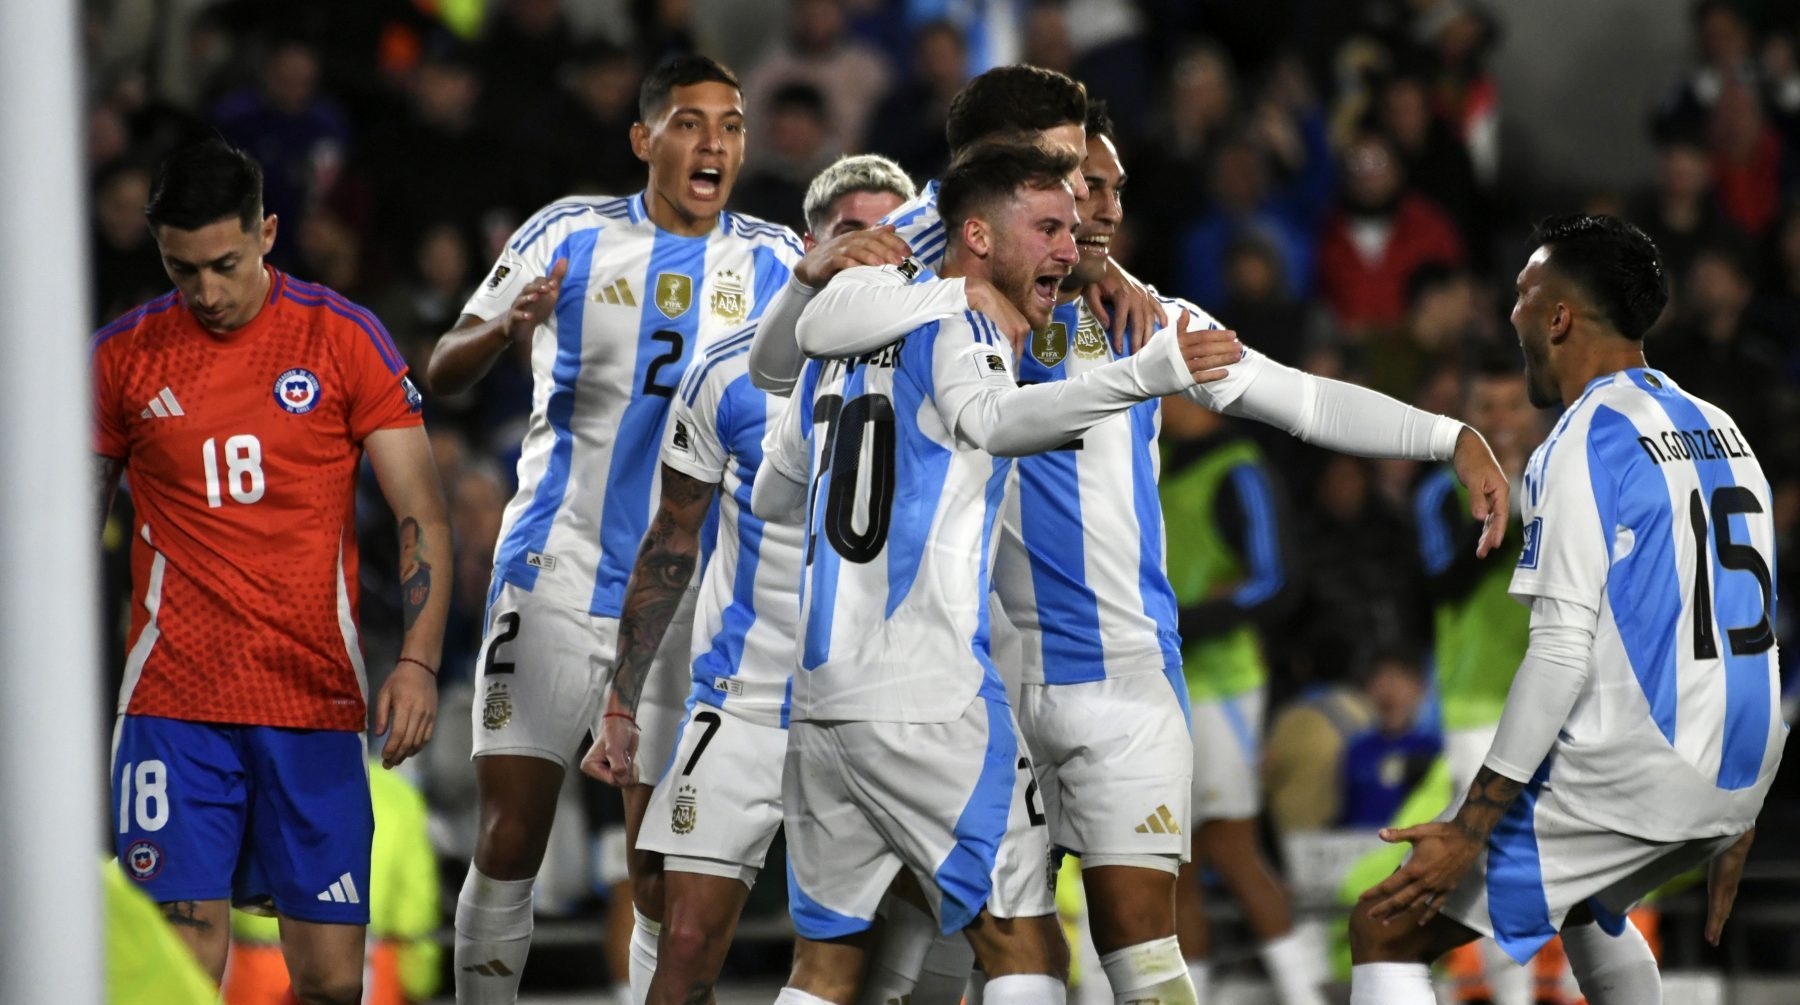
pixel 640 141
pixel 977 236
pixel 267 238
pixel 1562 317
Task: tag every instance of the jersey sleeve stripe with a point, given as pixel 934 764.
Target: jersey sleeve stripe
pixel 130 319
pixel 714 354
pixel 384 346
pixel 1436 548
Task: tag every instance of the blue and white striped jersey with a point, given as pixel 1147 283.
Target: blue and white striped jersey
pixel 901 526
pixel 1647 505
pixel 748 610
pixel 637 304
pixel 917 223
pixel 1081 572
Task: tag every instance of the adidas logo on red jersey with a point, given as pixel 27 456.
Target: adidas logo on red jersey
pixel 162 406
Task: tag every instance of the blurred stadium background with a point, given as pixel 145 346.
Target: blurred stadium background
pixel 1349 183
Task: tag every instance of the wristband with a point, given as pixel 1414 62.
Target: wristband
pixel 627 716
pixel 422 663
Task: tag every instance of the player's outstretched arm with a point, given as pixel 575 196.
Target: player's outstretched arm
pixel 406 708
pixel 978 398
pixel 106 485
pixel 665 566
pixel 1356 420
pixel 865 309
pixel 465 353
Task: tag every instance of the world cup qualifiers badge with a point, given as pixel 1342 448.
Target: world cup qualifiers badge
pixel 297 390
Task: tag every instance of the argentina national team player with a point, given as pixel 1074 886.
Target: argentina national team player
pixel 616 296
pixel 1643 728
pixel 902 749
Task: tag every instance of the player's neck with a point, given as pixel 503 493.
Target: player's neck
pixel 959 263
pixel 668 215
pixel 1069 294
pixel 1601 359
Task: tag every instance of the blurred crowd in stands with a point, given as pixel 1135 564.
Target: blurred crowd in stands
pixel 1327 177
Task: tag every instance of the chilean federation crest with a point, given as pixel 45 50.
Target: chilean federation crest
pixel 729 304
pixel 297 390
pixel 674 294
pixel 1051 346
pixel 144 859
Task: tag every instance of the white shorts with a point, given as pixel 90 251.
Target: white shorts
pixel 538 676
pixel 951 801
pixel 1464 752
pixel 1227 757
pixel 542 671
pixel 1113 761
pixel 717 807
pixel 1541 862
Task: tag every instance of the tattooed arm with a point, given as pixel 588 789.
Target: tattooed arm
pixel 106 485
pixel 665 566
pixel 408 701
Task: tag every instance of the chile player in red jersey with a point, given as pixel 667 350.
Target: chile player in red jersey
pixel 238 406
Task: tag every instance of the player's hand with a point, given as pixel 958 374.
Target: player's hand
pixel 1481 475
pixel 875 246
pixel 1442 852
pixel 1208 351
pixel 1722 875
pixel 1134 307
pixel 987 299
pixel 613 757
pixel 534 303
pixel 408 703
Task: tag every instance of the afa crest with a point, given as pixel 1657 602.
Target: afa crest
pixel 497 709
pixel 1090 338
pixel 674 294
pixel 728 301
pixel 687 810
pixel 1051 346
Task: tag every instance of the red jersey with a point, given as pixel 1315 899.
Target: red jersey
pixel 241 452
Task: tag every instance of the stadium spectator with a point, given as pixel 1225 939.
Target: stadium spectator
pixel 774 184
pixel 909 125
pixel 817 50
pixel 1384 762
pixel 521 55
pixel 1679 211
pixel 1245 200
pixel 1433 157
pixel 1746 159
pixel 1379 234
pixel 126 267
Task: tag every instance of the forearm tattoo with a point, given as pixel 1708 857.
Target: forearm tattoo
pixel 665 565
pixel 415 573
pixel 1490 797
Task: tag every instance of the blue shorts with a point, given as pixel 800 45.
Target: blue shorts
pixel 257 814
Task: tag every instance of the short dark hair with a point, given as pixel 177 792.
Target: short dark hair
pixel 1012 99
pixel 799 96
pixel 1100 120
pixel 679 71
pixel 990 172
pixel 1614 263
pixel 203 183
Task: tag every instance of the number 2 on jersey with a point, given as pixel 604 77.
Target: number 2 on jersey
pixel 1745 641
pixel 243 470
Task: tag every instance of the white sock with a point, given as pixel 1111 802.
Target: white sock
pixel 975 992
pixel 493 937
pixel 1150 972
pixel 1026 989
pixel 1613 970
pixel 795 996
pixel 644 934
pixel 907 934
pixel 1200 975
pixel 1508 983
pixel 1293 969
pixel 945 973
pixel 1391 984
